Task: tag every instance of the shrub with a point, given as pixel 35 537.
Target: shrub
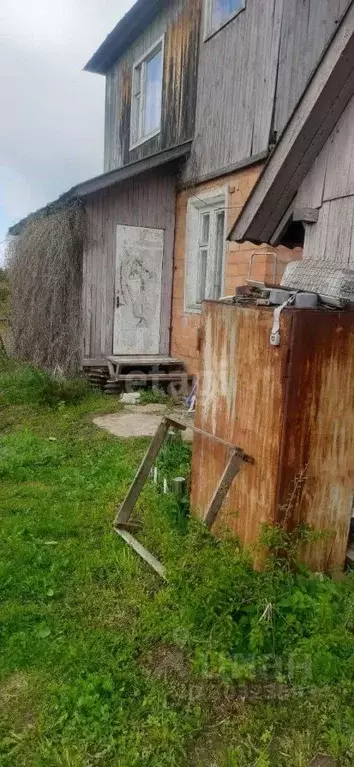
pixel 45 270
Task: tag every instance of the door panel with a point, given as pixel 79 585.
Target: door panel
pixel 139 257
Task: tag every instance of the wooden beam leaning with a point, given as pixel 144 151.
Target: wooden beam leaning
pixel 142 551
pixel 128 504
pixel 233 467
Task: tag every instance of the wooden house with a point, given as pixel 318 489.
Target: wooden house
pixel 200 96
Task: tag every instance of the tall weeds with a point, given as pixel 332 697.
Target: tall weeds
pixel 45 267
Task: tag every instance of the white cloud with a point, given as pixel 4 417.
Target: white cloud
pixel 52 113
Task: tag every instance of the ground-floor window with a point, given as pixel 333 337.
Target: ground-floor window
pixel 205 256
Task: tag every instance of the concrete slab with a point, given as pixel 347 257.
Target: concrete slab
pixel 141 421
pixel 128 425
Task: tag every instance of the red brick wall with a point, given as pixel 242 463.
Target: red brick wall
pixel 185 325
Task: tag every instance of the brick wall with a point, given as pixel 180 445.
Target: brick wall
pixel 185 325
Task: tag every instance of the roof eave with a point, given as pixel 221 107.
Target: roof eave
pixel 169 157
pixel 124 33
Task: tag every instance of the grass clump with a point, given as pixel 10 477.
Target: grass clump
pixel 22 385
pixel 103 664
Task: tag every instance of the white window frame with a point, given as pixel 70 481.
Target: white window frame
pixel 211 202
pixel 210 31
pixel 141 62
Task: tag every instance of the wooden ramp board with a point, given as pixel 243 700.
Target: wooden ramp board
pixel 145 360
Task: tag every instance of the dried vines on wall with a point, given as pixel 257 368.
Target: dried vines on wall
pixel 45 265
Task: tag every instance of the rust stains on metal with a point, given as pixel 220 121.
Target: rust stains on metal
pixel 292 409
pixel 318 437
pixel 240 399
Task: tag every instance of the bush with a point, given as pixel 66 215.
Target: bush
pixel 24 385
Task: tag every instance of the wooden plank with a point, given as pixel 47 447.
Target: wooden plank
pixel 232 469
pixel 142 551
pixel 340 165
pixel 284 222
pixel 94 362
pixel 311 190
pixel 340 231
pixel 328 94
pixel 144 360
pixel 128 504
pixel 306 215
pixel 153 377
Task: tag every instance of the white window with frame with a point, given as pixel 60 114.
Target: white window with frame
pixel 206 248
pixel 220 12
pixel 147 95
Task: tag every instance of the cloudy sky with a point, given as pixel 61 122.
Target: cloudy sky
pixel 51 113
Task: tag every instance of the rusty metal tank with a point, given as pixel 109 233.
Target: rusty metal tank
pixel 289 407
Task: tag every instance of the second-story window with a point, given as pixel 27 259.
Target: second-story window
pixel 147 95
pixel 219 12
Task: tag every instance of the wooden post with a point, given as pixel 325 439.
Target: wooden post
pixel 233 467
pixel 178 487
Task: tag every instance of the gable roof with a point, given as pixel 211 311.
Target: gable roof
pixel 124 33
pixel 327 94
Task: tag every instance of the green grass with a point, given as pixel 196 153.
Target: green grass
pixel 103 664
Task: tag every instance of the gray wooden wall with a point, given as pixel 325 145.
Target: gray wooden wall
pixel 329 186
pixel 147 201
pixel 251 75
pixel 233 90
pixel 180 23
pixel 307 28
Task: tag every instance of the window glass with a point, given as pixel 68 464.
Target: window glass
pixel 147 96
pixel 153 93
pixel 219 253
pixel 202 276
pixel 205 229
pixel 206 249
pixel 222 10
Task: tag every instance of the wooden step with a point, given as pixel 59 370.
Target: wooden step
pixel 145 360
pixel 181 380
pixel 151 377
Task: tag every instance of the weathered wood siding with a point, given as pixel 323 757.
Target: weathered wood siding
pixel 251 74
pixel 329 186
pixel 180 23
pixel 232 90
pixel 236 89
pixel 307 28
pixel 145 201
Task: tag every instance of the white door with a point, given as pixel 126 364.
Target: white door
pixel 137 317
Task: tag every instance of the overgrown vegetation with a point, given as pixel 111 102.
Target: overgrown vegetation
pixel 4 311
pixel 45 268
pixel 103 664
pixel 24 384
